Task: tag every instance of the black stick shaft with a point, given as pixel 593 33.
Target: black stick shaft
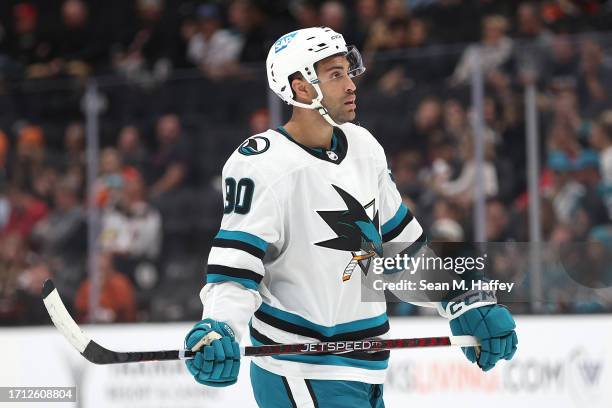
pixel 345 346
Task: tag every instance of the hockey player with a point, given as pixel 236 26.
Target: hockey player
pixel 301 203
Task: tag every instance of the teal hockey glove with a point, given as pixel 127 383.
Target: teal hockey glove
pixel 493 326
pixel 216 364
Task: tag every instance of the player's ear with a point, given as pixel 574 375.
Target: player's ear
pixel 301 89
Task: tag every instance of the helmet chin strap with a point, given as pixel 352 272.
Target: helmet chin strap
pixel 323 112
pixel 316 103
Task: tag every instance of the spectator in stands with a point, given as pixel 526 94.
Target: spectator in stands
pixel 446 230
pixel 367 12
pixel 529 23
pixel 213 49
pixel 43 185
pixel 117 299
pixel 495 50
pixel 30 309
pixel 63 230
pixel 595 79
pixel 13 256
pixel 74 144
pixel 26 42
pixel 30 155
pixel 591 210
pixel 447 209
pixel 73 161
pixel 387 39
pixel 566 123
pixel 131 149
pixel 170 165
pixel 306 13
pixel 532 53
pixel 250 22
pixel 110 180
pixel 455 120
pixel 559 10
pixel 78 47
pixel 61 238
pixel 132 227
pixel 394 9
pixel 406 165
pixel 601 140
pixel 498 222
pixel 564 63
pixel 74 46
pixel 392 66
pixel 461 189
pixel 25 212
pixel 600 257
pixel 426 127
pixel 560 244
pixel 499 117
pixel 418 33
pixel 566 192
pixel 397 69
pixel 333 15
pixel 188 27
pixel 144 55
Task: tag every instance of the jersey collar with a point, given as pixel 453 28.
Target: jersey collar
pixel 335 155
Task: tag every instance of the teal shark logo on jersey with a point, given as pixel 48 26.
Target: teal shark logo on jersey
pixel 357 232
pixel 254 145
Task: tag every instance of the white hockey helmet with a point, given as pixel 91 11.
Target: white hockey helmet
pixel 299 51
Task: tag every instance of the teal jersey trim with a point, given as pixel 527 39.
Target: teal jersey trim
pixel 339 145
pixel 244 237
pixel 327 331
pixel 330 360
pixel 396 220
pixel 334 143
pixel 217 278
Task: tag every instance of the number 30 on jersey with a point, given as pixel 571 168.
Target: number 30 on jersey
pixel 238 195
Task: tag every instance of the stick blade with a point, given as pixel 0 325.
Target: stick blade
pixel 88 348
pixel 61 318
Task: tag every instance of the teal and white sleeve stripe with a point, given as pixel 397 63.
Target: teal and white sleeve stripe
pixel 236 256
pixel 402 227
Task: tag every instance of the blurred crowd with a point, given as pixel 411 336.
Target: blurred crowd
pixel 182 83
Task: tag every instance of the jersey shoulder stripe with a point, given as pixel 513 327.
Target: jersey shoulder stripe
pixel 242 241
pixel 218 278
pixel 246 237
pixel 229 273
pixel 396 224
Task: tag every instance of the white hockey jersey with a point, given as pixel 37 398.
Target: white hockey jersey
pixel 284 263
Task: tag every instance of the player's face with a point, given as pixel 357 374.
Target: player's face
pixel 338 88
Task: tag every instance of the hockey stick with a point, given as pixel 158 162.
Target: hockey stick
pixel 98 354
